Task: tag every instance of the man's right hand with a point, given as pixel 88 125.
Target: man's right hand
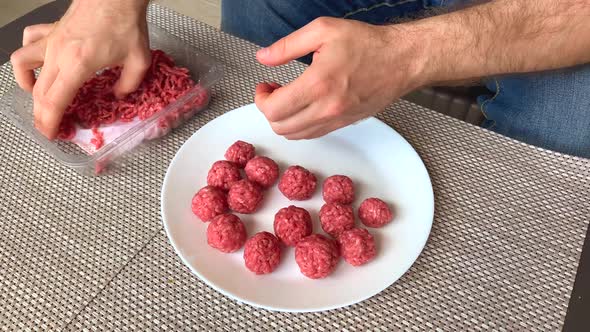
pixel 92 35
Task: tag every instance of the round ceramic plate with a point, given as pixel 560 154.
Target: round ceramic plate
pixel 381 164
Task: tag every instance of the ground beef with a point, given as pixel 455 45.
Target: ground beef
pixel 357 246
pixel 97 139
pixel 262 253
pixel 226 233
pixel 239 153
pixel 292 224
pixel 262 171
pixel 244 197
pixel 374 212
pixel 338 189
pixel 297 183
pixel 335 218
pixel 95 104
pixel 317 256
pixel 223 174
pixel 208 203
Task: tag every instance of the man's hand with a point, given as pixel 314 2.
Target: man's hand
pixel 357 70
pixel 92 35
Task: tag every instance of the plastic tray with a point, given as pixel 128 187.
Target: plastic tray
pixel 205 70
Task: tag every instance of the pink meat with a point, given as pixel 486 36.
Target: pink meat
pixel 244 197
pixel 223 174
pixel 95 105
pixel 336 218
pixel 357 246
pixel 262 171
pixel 208 203
pixel 338 189
pixel 262 253
pixel 67 128
pixel 317 256
pixel 226 233
pixel 292 224
pixel 297 183
pixel 97 139
pixel 374 212
pixel 239 153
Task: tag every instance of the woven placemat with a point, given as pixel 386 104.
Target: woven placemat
pixel 90 253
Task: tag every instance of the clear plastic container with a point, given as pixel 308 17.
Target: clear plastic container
pixel 204 70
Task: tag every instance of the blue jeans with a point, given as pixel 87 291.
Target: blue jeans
pixel 548 109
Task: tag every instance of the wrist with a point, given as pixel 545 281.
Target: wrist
pixel 127 7
pixel 406 44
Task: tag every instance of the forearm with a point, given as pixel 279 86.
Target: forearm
pixel 110 8
pixel 502 36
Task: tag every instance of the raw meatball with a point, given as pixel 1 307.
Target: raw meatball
pixel 297 183
pixel 262 253
pixel 244 197
pixel 292 224
pixel 374 212
pixel 223 174
pixel 239 153
pixel 336 218
pixel 357 246
pixel 338 189
pixel 316 256
pixel 262 171
pixel 208 203
pixel 226 233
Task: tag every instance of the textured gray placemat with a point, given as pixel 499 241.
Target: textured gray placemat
pixel 89 253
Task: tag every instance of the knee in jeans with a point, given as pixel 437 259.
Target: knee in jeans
pixel 547 109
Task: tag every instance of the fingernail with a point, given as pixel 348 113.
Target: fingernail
pixel 263 52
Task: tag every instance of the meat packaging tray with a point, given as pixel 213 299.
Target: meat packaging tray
pixel 206 71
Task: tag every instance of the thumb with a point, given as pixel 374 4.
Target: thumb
pixel 299 43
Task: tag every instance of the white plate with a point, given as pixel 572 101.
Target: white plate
pixel 381 164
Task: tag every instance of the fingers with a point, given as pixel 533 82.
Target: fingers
pixel 302 121
pixel 46 78
pixel 299 43
pixel 316 131
pixel 50 107
pixel 25 60
pixel 283 102
pixel 132 75
pixel 33 33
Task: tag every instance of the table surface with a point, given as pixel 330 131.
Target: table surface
pixel 79 252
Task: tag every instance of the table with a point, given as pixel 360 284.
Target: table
pixel 90 253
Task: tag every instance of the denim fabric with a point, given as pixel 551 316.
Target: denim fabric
pixel 265 21
pixel 548 109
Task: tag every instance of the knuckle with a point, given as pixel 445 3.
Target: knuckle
pixel 323 23
pixel 78 56
pixel 321 87
pixel 296 137
pixel 281 46
pixel 271 115
pixel 16 58
pixel 278 129
pixel 337 108
pixel 47 103
pixel 28 30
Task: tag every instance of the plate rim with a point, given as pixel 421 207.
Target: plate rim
pixel 272 308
